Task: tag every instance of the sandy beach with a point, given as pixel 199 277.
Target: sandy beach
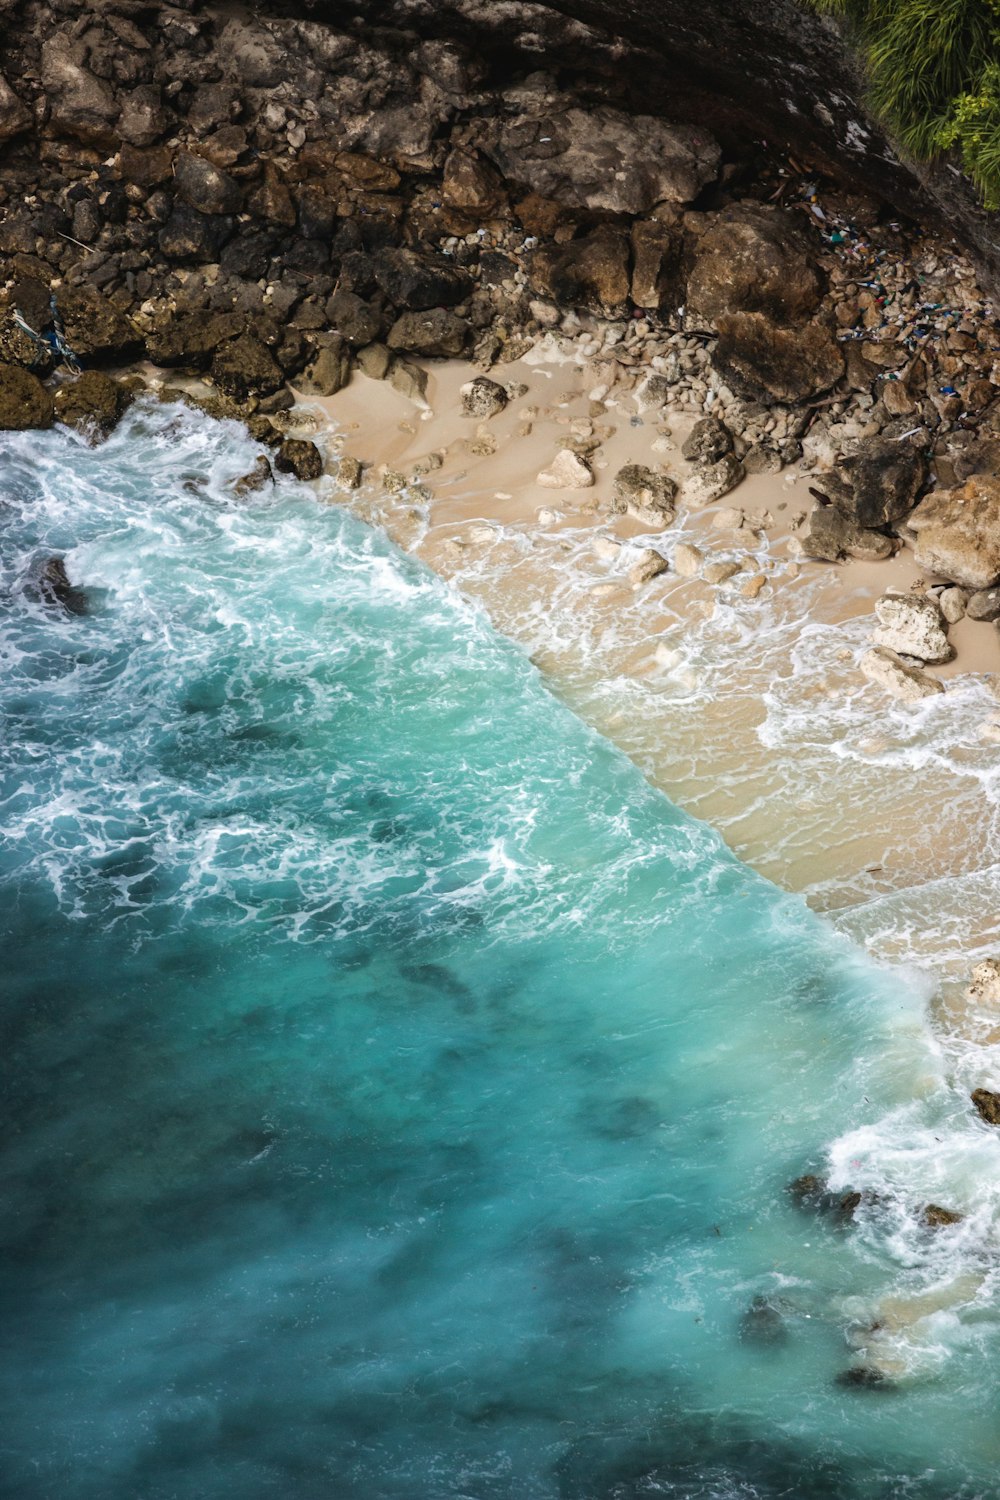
pixel 742 699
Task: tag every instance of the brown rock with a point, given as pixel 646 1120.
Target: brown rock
pixel 436 333
pixel 987 1105
pixel 657 266
pixel 936 1217
pixel 589 272
pixel 24 401
pixel 256 479
pixel 880 482
pixel 752 259
pixel 92 404
pixel 472 184
pixel 300 457
pixel 763 362
pixel 243 366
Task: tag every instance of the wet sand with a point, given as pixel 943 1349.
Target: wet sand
pixel 743 701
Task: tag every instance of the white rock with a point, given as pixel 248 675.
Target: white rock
pixel 606 548
pixel 912 625
pixel 727 519
pixel 546 517
pixel 720 572
pixel 687 560
pixel 985 983
pixel 908 684
pixel 567 471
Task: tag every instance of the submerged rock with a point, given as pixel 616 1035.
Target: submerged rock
pixel 92 404
pixel 762 1323
pixel 256 479
pixel 55 588
pixel 987 1105
pixel 865 1377
pixel 912 625
pixel 907 684
pixel 936 1217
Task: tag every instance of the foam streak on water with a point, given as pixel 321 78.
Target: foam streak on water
pixel 401 1091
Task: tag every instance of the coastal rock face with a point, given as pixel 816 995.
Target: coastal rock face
pixel 913 625
pixel 897 678
pixel 880 483
pixel 243 367
pixel 435 333
pixel 300 457
pixel 764 362
pixel 958 532
pixel 602 159
pixel 592 271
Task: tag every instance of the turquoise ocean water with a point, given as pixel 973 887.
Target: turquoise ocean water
pixel 400 1093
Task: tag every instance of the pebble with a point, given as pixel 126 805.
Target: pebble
pixel 720 572
pixel 753 586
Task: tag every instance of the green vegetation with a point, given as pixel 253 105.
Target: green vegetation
pixel 934 71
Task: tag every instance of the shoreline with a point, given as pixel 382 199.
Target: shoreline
pixel 694 680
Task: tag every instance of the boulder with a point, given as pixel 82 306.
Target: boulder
pixel 987 1105
pixel 912 625
pixel 15 119
pixel 602 159
pixel 97 331
pixel 257 477
pixel 147 167
pixel 762 1323
pixel 190 341
pixel 92 404
pixel 205 187
pixel 375 361
pixel 418 282
pixel 657 266
pixel 752 259
pixel 899 680
pixel 958 532
pixel 954 603
pixel 356 320
pixel 644 494
pixel 300 457
pixel 81 105
pixel 590 272
pixel 409 379
pixel 647 566
pixel 143 121
pixel 435 333
pixel 190 235
pixel 708 441
pixel 55 588
pixel 984 604
pixel 710 482
pixel 936 1217
pixel 244 366
pixel 984 986
pixel 829 535
pixel 880 482
pixel 687 560
pixel 762 361
pixel 567 471
pixel 24 401
pixel 483 398
pixel 472 184
pixel 330 370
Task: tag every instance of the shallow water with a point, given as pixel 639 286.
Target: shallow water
pixel 400 1091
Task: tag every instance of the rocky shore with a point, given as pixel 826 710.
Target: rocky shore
pixel 251 213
